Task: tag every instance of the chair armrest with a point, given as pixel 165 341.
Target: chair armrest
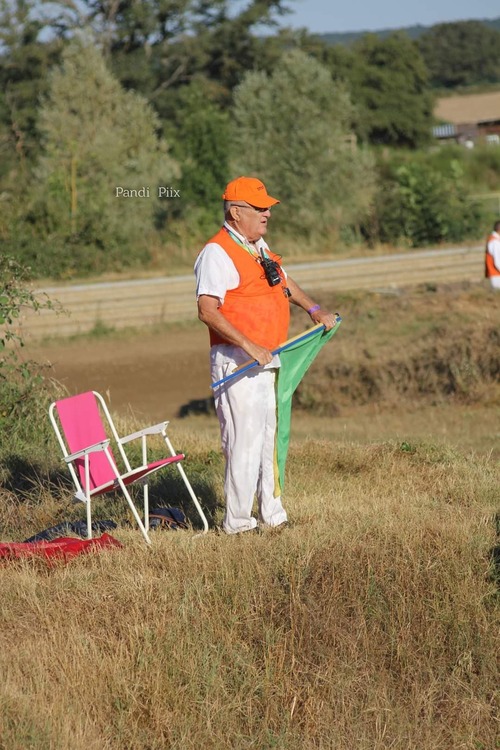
pixel 84 451
pixel 153 430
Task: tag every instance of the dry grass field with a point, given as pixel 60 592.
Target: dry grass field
pixel 468 108
pixel 371 623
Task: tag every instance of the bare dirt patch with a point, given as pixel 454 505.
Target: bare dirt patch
pixel 153 373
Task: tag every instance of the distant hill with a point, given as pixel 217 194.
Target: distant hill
pixel 413 32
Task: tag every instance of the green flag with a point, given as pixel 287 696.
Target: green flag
pixel 296 359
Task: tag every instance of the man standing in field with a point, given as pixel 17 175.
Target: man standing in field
pixel 243 297
pixel 492 257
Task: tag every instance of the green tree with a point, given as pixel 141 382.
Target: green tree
pixel 292 129
pixel 96 138
pixel 232 47
pixel 199 133
pixel 162 44
pixel 461 53
pixel 389 84
pixel 24 65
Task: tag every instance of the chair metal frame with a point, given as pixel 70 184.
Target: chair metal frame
pixel 84 489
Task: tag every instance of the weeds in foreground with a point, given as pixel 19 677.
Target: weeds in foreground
pixel 371 622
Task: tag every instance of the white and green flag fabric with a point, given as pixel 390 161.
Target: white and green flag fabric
pixel 296 358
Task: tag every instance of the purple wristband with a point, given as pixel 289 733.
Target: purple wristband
pixel 313 309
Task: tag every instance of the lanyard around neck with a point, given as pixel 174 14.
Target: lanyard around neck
pixel 254 252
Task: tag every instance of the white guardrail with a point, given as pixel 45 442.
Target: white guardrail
pixel 147 302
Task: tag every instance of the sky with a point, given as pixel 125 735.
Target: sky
pixel 323 16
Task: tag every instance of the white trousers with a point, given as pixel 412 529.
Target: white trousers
pixel 495 282
pixel 246 408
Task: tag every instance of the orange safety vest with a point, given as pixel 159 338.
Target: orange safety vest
pixel 489 264
pixel 261 312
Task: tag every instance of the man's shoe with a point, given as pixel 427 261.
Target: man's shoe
pixel 253 530
pixel 279 528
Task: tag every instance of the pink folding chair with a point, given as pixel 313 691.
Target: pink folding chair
pixel 80 429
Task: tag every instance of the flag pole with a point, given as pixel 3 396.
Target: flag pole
pixel 253 362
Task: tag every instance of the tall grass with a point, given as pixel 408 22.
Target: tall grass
pixel 371 622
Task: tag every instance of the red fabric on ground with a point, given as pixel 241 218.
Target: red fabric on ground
pixel 62 547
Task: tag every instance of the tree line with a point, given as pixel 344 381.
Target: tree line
pixel 186 94
pixel 458 53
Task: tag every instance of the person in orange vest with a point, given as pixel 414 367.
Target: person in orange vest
pixel 492 257
pixel 243 296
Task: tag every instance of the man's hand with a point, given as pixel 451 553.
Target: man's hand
pixel 300 298
pixel 325 317
pixel 210 314
pixel 259 353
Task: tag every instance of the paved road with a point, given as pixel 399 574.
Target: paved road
pixel 146 302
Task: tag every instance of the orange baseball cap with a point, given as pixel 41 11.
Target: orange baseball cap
pixel 251 190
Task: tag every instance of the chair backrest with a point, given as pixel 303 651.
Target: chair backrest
pixel 82 426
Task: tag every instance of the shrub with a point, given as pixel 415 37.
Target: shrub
pixel 23 389
pixel 419 205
